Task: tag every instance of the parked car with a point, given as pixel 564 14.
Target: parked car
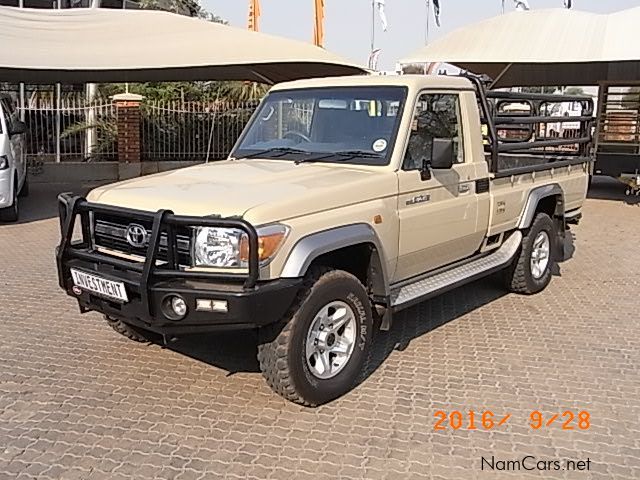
pixel 13 167
pixel 344 201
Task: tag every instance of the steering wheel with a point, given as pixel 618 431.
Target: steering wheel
pixel 299 135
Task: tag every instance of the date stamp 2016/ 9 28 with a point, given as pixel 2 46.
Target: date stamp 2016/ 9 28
pixel 487 420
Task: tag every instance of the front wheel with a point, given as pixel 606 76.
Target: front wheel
pixel 129 331
pixel 317 353
pixel 532 269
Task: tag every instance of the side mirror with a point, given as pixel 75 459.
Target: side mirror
pixel 442 154
pixel 18 128
pixel 442 157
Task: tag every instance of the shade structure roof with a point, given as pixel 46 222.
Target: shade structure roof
pixel 104 45
pixel 544 47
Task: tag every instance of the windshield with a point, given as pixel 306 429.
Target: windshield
pixel 345 124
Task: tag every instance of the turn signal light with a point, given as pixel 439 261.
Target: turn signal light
pixel 269 240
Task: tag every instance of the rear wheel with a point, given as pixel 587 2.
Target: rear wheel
pixel 531 271
pixel 318 351
pixel 11 214
pixel 129 331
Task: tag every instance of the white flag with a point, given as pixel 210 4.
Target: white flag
pixel 522 5
pixel 436 11
pixel 383 16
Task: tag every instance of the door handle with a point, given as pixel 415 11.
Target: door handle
pixel 464 188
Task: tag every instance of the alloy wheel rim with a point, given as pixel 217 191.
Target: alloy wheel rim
pixel 540 255
pixel 330 339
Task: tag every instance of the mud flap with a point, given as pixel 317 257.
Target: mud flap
pixel 561 232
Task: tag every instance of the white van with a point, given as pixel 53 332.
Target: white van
pixel 13 167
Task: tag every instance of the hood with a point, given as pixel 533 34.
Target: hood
pixel 260 190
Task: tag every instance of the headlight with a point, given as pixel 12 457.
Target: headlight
pixel 229 247
pixel 4 162
pixel 217 247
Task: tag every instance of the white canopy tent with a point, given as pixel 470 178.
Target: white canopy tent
pixel 104 45
pixel 543 47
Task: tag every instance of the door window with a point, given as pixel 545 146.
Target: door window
pixel 437 115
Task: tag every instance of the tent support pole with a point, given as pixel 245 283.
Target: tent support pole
pixel 499 77
pixel 266 80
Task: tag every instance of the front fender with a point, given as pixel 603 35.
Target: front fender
pixel 307 249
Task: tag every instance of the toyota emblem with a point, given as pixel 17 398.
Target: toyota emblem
pixel 136 235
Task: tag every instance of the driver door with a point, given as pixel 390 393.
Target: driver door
pixel 438 216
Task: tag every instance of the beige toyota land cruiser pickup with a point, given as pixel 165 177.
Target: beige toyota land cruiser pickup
pixel 344 201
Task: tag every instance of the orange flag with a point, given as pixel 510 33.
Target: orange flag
pixel 318 26
pixel 254 15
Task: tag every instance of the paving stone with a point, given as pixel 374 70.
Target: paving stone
pixel 79 401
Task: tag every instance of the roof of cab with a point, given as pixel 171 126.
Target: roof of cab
pixel 411 81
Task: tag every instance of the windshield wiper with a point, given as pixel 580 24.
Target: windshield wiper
pixel 357 153
pixel 276 152
pixel 344 154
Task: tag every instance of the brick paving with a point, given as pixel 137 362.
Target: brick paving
pixel 77 401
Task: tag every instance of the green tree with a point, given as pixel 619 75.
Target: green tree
pixel 189 91
pixel 190 8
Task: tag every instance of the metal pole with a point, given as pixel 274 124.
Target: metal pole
pixel 373 26
pixel 91 135
pixel 428 22
pixel 58 107
pixel 58 120
pixel 21 85
pixel 503 7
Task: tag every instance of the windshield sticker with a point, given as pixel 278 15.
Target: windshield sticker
pixel 379 145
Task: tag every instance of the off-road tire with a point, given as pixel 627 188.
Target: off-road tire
pixel 129 331
pixel 11 214
pixel 518 277
pixel 281 348
pixel 24 191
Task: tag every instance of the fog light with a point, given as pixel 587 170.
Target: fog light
pixel 174 307
pixel 179 306
pixel 206 305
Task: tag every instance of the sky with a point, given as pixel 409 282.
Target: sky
pixel 348 22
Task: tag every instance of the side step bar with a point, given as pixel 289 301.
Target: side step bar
pixel 408 294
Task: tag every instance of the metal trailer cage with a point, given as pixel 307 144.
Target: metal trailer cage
pixel 164 222
pixel 491 118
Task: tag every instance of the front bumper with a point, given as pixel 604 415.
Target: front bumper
pixel 250 302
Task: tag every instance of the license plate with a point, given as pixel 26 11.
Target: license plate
pixel 101 286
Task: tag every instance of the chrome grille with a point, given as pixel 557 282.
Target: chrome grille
pixel 111 233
